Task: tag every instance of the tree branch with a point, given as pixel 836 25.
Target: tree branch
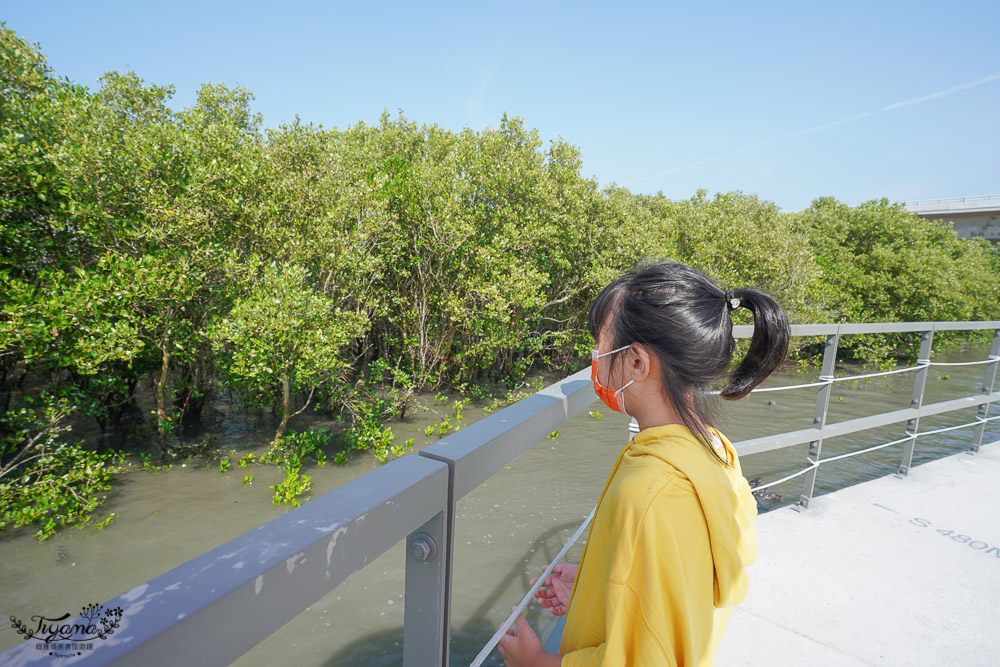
pixel 308 400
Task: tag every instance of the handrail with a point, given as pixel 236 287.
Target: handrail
pixel 302 555
pixel 951 200
pixel 791 438
pixel 816 464
pixel 269 575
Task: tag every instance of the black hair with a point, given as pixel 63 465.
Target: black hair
pixel 685 319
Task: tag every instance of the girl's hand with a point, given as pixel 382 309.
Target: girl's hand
pixel 554 593
pixel 520 647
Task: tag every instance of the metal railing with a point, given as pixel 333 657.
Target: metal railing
pixel 254 584
pixel 820 430
pixel 952 200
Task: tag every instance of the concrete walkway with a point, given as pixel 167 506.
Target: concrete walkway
pixel 896 571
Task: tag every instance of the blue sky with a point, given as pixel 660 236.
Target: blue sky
pixel 789 101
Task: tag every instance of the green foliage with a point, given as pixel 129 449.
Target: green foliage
pixel 290 453
pixel 344 270
pixel 457 407
pixel 495 405
pixel 296 448
pixel 882 264
pixel 293 486
pixel 368 433
pixel 148 466
pixel 44 480
pixel 287 334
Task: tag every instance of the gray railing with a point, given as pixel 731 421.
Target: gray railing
pixel 952 200
pixel 219 605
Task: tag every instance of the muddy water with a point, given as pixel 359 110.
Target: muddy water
pixel 506 530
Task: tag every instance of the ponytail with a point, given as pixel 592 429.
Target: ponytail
pixel 685 319
pixel 768 346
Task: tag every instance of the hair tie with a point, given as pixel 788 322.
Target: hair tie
pixel 733 301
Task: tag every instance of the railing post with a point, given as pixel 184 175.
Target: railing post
pixel 425 616
pixel 919 383
pixel 819 419
pixel 988 380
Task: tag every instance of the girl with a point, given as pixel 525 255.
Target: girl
pixel 665 559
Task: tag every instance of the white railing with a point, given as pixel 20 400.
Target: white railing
pixel 952 200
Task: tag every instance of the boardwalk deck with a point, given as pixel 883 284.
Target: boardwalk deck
pixel 895 571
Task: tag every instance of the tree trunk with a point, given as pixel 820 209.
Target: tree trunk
pixel 196 384
pixel 161 398
pixel 286 406
pixel 5 390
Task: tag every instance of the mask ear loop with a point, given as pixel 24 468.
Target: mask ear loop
pixel 621 399
pixel 620 395
pixel 594 355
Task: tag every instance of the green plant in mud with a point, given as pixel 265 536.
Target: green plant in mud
pixel 290 453
pixel 400 450
pixel 297 447
pixel 368 432
pixel 457 407
pixel 44 480
pixel 146 464
pixel 495 405
pixel 289 489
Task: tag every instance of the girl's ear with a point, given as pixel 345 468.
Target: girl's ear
pixel 642 362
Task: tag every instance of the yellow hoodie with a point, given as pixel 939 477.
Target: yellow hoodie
pixel 665 558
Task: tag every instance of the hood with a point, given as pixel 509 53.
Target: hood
pixel 725 497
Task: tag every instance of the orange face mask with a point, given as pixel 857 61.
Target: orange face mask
pixel 615 400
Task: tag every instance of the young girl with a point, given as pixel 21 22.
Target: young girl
pixel 665 559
